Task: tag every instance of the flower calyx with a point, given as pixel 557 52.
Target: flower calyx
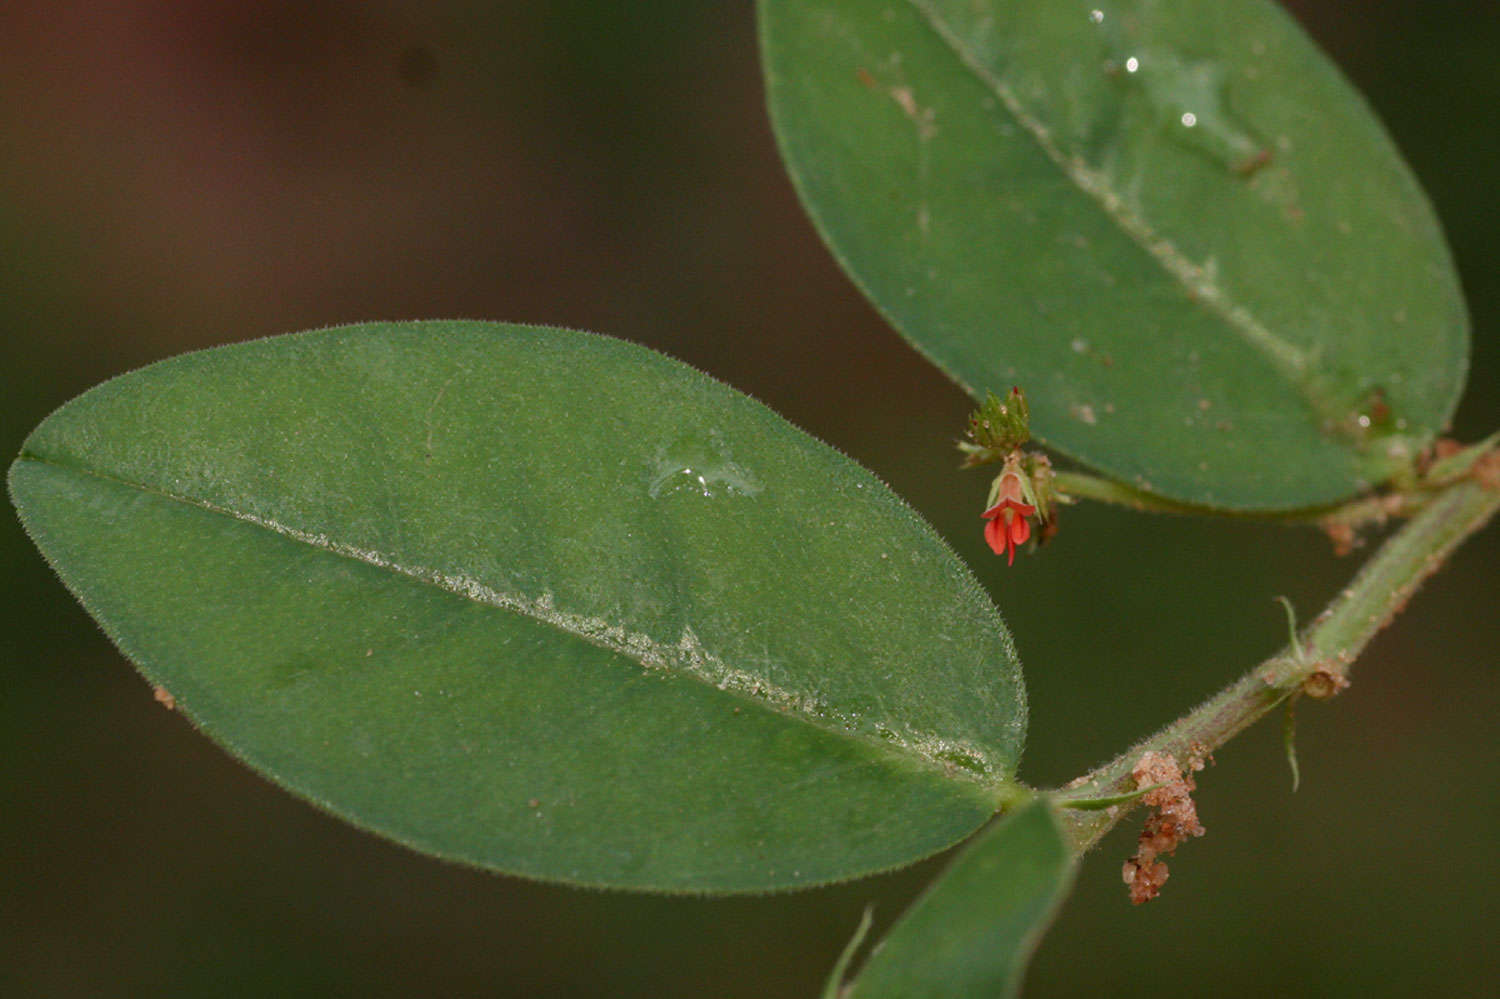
pixel 996 429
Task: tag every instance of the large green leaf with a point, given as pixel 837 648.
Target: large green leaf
pixel 537 600
pixel 1173 223
pixel 972 933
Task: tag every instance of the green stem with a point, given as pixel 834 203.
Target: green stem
pixel 1403 501
pixel 1329 645
pixel 1081 485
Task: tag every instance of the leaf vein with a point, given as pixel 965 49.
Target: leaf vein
pixel 1295 364
pixel 687 656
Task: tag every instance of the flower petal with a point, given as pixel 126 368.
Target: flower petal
pixel 995 533
pixel 1024 509
pixel 1020 530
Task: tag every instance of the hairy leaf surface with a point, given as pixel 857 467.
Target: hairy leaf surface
pixel 537 600
pixel 971 934
pixel 1174 224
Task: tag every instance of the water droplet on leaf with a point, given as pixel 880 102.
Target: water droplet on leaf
pixel 1188 98
pixel 700 465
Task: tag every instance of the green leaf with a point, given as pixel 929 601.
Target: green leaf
pixel 972 933
pixel 1173 224
pixel 536 600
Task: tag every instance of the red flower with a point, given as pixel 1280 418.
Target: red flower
pixel 1008 525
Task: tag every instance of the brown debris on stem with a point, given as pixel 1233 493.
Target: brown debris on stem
pixel 1326 681
pixel 1174 818
pixel 1343 535
pixel 1487 471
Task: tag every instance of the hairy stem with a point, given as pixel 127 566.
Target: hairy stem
pixel 1329 645
pixel 1081 485
pixel 1409 496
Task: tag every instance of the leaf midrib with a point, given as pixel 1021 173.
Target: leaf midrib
pixel 1291 362
pixel 635 646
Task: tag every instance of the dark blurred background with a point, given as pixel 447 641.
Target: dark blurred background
pixel 175 176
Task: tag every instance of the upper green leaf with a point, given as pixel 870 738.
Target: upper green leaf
pixel 537 600
pixel 973 931
pixel 1173 224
